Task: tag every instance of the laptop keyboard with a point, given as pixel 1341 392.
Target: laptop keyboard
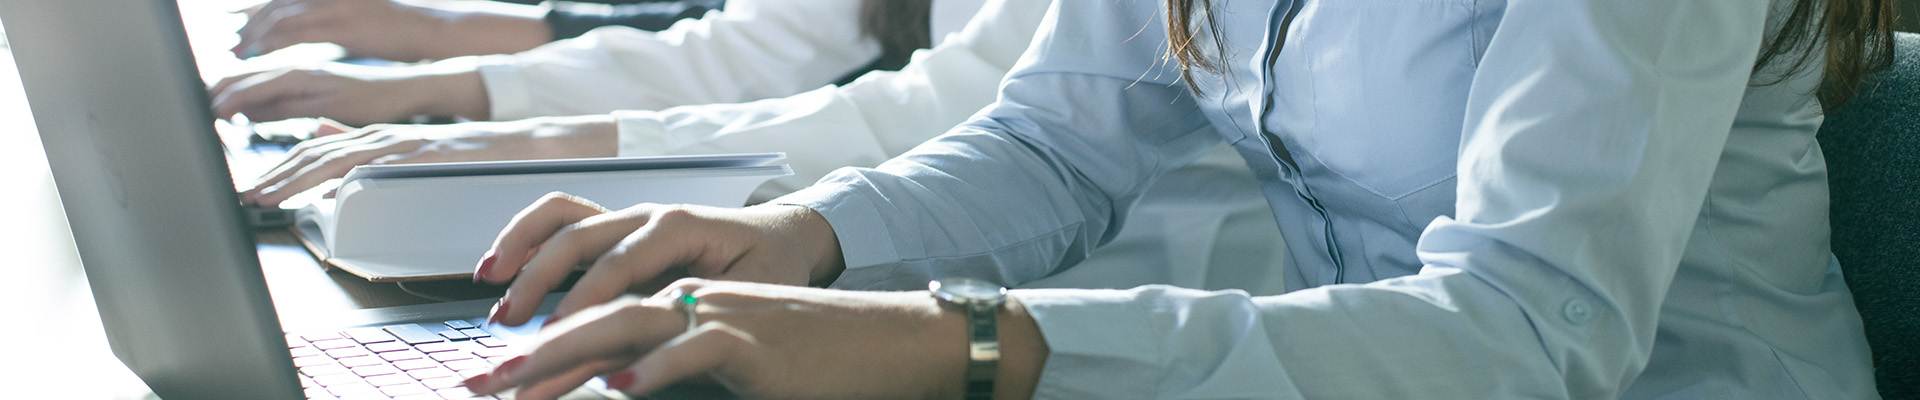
pixel 403 361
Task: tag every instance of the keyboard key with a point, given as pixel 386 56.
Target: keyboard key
pixel 458 393
pixel 412 334
pixel 348 353
pixel 389 380
pixel 475 333
pixel 383 347
pixel 337 380
pixel 318 393
pixel 369 335
pixel 463 365
pixel 499 360
pixel 452 335
pixel 436 347
pixel 319 336
pixel 331 344
pixel 421 396
pixel 495 352
pixel 318 371
pixel 444 382
pixel 446 356
pixel 402 355
pixel 491 342
pixel 295 341
pixel 306 382
pixel 460 324
pixel 306 361
pixel 361 361
pixel 373 370
pixel 430 373
pixel 352 389
pixel 405 389
pixel 409 365
pixel 303 351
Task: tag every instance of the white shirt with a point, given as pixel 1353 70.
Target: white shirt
pixel 1482 199
pixel 752 50
pixel 1208 229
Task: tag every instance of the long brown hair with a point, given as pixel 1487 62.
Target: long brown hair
pixel 1856 34
pixel 901 26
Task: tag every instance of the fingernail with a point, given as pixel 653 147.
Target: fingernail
pixel 512 366
pixel 486 266
pixel 620 381
pixel 476 381
pixel 499 311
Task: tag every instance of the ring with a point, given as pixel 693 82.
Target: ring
pixel 685 301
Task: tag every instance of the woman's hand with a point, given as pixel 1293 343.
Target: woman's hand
pixel 355 95
pixel 316 160
pixel 645 243
pixel 392 30
pixel 762 341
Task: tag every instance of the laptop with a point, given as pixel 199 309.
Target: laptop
pixel 173 267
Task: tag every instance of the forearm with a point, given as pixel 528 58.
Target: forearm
pixel 445 92
pixel 494 29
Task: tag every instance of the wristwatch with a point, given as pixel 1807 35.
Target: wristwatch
pixel 981 300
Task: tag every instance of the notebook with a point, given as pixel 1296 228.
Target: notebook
pixel 419 222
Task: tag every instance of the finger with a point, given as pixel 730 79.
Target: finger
pixel 329 127
pixel 532 226
pixel 560 384
pixel 270 15
pixel 711 348
pixel 303 154
pixel 619 329
pixel 328 167
pixel 251 95
pixel 312 26
pixel 220 88
pixel 567 248
pixel 639 256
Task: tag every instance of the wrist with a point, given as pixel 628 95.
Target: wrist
pixel 1023 351
pixel 444 91
pixel 829 263
pixel 575 137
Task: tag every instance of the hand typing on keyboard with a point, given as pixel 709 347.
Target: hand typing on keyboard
pixel 761 341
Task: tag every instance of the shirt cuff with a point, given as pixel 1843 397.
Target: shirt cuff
pixel 865 241
pixel 1102 343
pixel 508 94
pixel 641 133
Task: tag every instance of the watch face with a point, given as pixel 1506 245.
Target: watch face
pixel 966 289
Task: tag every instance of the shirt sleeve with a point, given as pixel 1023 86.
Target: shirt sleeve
pixel 1593 130
pixel 753 50
pixel 868 121
pixel 568 20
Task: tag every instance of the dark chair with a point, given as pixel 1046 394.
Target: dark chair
pixel 1873 157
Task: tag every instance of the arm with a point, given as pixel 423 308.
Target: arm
pixel 862 124
pixel 753 50
pixel 1030 184
pixel 571 22
pixel 1593 130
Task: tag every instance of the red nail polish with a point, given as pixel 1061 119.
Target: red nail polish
pixel 486 266
pixel 499 311
pixel 512 365
pixel 476 381
pixel 620 381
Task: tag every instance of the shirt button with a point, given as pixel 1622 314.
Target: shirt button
pixel 1577 312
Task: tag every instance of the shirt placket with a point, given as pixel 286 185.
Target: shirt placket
pixel 1277 22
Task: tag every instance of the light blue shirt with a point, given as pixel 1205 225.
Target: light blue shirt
pixel 1480 198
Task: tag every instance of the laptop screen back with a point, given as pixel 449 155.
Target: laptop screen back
pixel 124 119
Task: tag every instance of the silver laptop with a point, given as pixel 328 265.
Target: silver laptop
pixel 173 268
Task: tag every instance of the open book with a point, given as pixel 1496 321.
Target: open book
pixel 414 222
